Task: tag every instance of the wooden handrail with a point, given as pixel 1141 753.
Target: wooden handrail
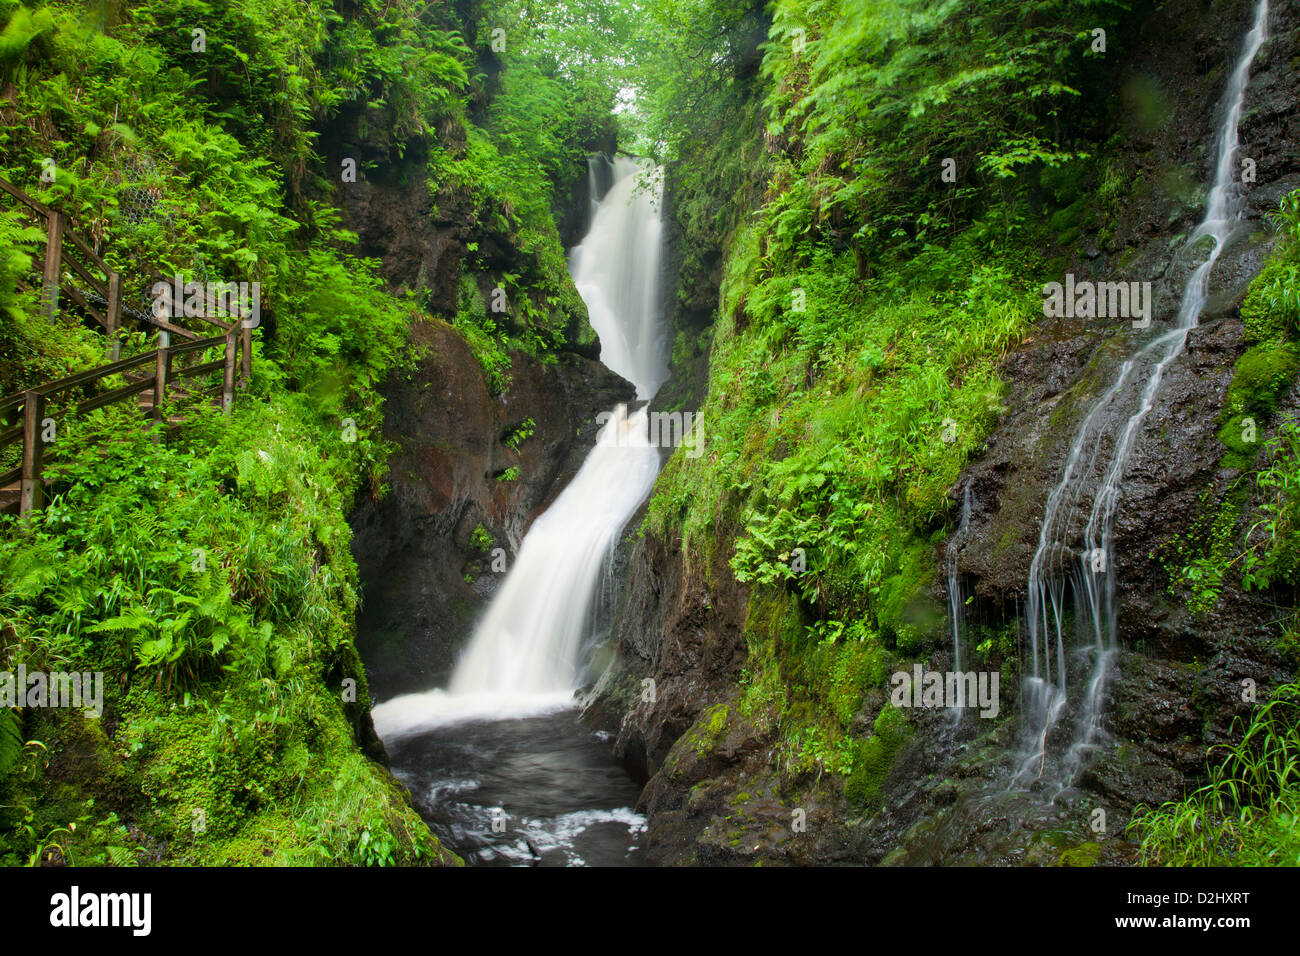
pixel 22 197
pixel 60 240
pixel 34 401
pixel 53 255
pixel 60 243
pixel 87 276
pixel 84 248
pixel 94 313
pixel 239 315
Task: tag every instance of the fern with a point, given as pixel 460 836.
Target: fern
pixel 11 739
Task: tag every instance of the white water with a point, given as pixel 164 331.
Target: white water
pixel 523 658
pixel 594 163
pixel 616 270
pixel 1089 567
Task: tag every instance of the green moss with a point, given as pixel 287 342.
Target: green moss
pixel 708 730
pixel 1085 854
pixel 1262 375
pixel 1271 308
pixel 900 604
pixel 873 758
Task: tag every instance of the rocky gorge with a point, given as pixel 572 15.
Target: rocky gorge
pixel 714 789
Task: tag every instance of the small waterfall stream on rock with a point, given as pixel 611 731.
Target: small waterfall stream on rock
pixel 496 761
pixel 957 602
pixel 1098 457
pixel 1069 647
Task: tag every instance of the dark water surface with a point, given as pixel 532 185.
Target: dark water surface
pixel 556 782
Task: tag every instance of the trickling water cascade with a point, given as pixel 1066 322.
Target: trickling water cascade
pixel 1088 567
pixel 956 600
pixel 524 658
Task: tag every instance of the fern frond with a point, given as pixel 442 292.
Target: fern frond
pixel 11 739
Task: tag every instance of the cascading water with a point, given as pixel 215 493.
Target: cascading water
pixel 524 658
pixel 528 644
pixel 593 186
pixel 956 601
pixel 616 270
pixel 1088 568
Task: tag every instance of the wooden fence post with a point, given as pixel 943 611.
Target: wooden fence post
pixel 228 379
pixel 246 343
pixel 160 372
pixel 53 260
pixel 31 493
pixel 114 315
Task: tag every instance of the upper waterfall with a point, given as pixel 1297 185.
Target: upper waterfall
pixel 616 269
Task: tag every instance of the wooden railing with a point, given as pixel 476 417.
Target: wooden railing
pixel 64 248
pixel 34 404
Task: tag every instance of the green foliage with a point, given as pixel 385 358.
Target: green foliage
pixel 520 434
pixel 11 739
pixel 216 590
pixel 207 575
pixel 695 56
pixel 1246 815
pixel 880 94
pixel 1271 309
pixel 903 390
pixel 341 332
pixel 873 758
pixel 480 538
pixel 1199 558
pixel 1273 553
pixel 1263 554
pixel 23 28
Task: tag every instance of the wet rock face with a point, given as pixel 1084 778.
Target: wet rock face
pixel 673 631
pixel 418 237
pixel 1171 97
pixel 1057 375
pixel 573 208
pixel 1177 684
pixel 395 222
pixel 416 546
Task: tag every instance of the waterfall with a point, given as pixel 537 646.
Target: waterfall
pixel 956 609
pixel 1088 566
pixel 593 188
pixel 523 657
pixel 598 174
pixel 616 269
